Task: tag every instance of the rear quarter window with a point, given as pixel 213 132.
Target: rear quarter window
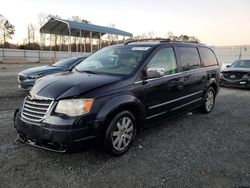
pixel 189 58
pixel 207 57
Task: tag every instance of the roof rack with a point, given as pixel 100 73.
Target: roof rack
pixel 148 40
pixel 160 40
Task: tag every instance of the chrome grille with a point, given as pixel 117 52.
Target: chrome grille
pixel 234 76
pixel 34 110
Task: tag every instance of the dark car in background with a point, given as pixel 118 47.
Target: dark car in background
pixel 117 92
pixel 236 75
pixel 27 78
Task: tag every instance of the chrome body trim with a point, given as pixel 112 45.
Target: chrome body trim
pixel 174 100
pixel 178 73
pixel 186 104
pixel 156 115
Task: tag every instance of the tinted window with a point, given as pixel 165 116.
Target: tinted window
pixel 189 58
pixel 208 57
pixel 164 58
pixel 66 62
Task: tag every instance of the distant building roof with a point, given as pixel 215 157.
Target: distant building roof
pixel 62 27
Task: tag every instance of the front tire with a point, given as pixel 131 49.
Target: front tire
pixel 208 101
pixel 120 133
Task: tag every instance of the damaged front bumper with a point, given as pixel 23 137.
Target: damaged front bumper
pixel 57 137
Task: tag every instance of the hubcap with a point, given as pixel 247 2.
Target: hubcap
pixel 122 133
pixel 209 101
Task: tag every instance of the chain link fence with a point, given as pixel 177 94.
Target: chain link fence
pixel 225 54
pixel 228 54
pixel 35 56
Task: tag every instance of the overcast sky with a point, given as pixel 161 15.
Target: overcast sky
pixel 214 22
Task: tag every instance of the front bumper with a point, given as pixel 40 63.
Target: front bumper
pixel 25 87
pixel 238 84
pixel 58 137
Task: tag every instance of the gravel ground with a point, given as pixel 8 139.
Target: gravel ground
pixel 191 151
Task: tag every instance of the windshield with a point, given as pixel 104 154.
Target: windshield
pixel 66 62
pixel 241 64
pixel 120 60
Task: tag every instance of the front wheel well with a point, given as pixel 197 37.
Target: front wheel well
pixel 214 86
pixel 136 111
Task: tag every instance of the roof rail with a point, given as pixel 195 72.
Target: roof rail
pixel 149 40
pixel 160 40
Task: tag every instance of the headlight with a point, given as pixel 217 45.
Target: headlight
pixel 32 77
pixel 74 107
pixel 221 75
pixel 39 75
pixel 246 77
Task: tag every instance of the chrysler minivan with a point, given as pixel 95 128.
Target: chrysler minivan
pixel 116 92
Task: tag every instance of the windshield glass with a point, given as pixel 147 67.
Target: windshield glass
pixel 120 60
pixel 241 64
pixel 65 62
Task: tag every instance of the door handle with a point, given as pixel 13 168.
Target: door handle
pixel 187 77
pixel 177 82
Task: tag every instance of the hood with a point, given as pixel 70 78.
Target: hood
pixel 40 70
pixel 69 84
pixel 246 70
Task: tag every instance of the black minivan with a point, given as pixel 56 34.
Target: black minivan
pixel 116 92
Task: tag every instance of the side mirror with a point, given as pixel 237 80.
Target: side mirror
pixel 154 72
pixel 228 66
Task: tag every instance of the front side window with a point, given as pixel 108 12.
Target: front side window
pixel 189 58
pixel 208 57
pixel 164 58
pixel 120 60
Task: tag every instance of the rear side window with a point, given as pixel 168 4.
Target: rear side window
pixel 189 58
pixel 164 58
pixel 207 56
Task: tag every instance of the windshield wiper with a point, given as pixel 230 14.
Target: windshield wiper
pixel 90 72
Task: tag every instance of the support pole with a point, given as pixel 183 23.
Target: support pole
pixel 100 41
pixel 116 39
pixel 69 41
pixel 60 45
pixel 91 45
pixel 80 40
pixel 85 40
pixel 50 48
pixel 76 39
pixel 109 39
pixel 41 41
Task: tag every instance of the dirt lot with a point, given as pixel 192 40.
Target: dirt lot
pixel 190 151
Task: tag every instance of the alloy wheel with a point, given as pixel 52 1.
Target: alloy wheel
pixel 209 101
pixel 122 133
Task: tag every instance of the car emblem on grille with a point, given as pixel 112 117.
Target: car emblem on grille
pixel 232 76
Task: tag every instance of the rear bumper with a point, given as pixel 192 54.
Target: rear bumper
pixel 238 84
pixel 57 137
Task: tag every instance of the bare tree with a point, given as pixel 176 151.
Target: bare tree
pixel 31 33
pixel 42 18
pixel 7 30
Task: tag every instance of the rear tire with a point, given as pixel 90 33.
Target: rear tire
pixel 208 101
pixel 120 133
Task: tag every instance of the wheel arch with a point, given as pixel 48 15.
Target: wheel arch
pixel 122 103
pixel 212 83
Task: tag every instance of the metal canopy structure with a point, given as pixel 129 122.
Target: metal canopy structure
pixel 76 29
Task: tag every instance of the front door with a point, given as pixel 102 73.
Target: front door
pixel 163 91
